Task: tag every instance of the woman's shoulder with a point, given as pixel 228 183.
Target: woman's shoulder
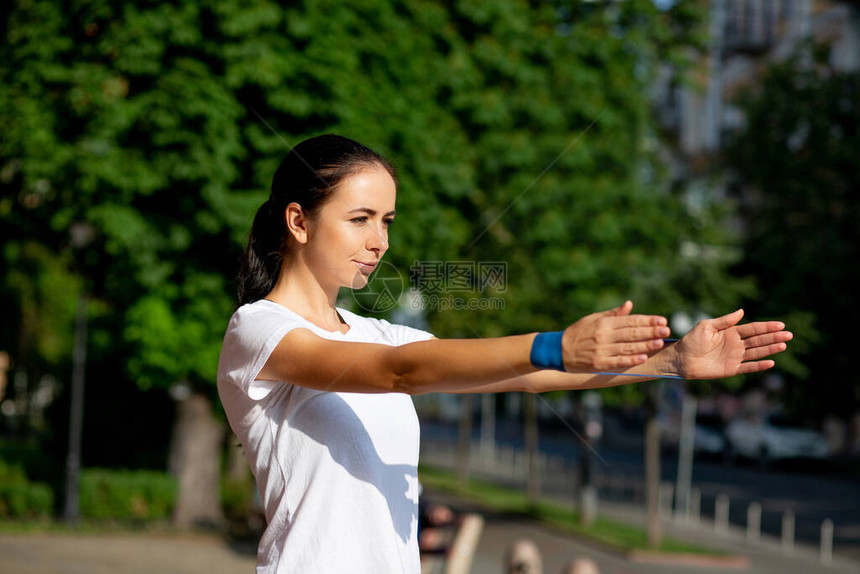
pixel 265 307
pixel 383 330
pixel 259 314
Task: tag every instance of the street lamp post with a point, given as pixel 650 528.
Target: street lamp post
pixel 76 413
pixel 592 426
pixel 80 235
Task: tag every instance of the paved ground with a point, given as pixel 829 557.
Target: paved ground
pixel 812 490
pixel 557 549
pixel 763 557
pixel 186 554
pixel 198 554
pixel 121 554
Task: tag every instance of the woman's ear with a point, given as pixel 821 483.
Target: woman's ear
pixel 297 222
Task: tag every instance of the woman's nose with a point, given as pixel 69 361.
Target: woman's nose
pixel 378 238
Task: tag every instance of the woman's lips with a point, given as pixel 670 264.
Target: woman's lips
pixel 366 268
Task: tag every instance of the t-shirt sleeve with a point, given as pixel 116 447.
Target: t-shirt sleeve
pixel 401 334
pixel 251 336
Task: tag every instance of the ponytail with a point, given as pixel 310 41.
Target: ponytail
pixel 264 255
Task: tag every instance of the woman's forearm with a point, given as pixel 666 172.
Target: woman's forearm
pixel 460 365
pixel 513 372
pixel 661 364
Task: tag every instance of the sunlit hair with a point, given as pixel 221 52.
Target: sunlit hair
pixel 308 176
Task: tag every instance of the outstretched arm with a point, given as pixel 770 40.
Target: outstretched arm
pixel 713 349
pixel 629 345
pixel 613 339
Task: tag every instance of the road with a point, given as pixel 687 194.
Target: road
pixel 122 553
pixel 812 493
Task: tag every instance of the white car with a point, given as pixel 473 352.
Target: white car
pixel 773 438
pixel 708 438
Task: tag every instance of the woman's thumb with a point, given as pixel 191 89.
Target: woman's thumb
pixel 727 321
pixel 620 311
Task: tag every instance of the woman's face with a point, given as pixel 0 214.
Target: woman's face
pixel 350 234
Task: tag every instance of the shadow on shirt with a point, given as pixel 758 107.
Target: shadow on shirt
pixel 332 422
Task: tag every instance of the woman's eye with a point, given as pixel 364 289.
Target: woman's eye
pixel 359 219
pixel 388 222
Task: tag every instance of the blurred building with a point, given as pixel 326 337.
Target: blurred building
pixel 746 36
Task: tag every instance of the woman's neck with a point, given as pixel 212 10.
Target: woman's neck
pixel 300 291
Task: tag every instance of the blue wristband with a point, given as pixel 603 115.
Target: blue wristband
pixel 546 351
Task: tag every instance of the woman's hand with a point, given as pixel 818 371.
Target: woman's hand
pixel 719 348
pixel 613 339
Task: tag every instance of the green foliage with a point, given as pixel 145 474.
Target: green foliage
pixel 39 295
pixel 521 132
pixel 799 156
pixel 126 495
pixel 20 498
pixel 236 497
pixel 140 148
pixel 30 457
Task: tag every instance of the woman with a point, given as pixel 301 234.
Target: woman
pixel 319 396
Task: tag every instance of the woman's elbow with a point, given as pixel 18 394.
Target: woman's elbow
pixel 399 383
pixel 399 375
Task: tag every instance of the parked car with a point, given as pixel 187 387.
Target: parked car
pixel 774 437
pixel 708 437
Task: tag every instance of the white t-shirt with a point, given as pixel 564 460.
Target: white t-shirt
pixel 337 472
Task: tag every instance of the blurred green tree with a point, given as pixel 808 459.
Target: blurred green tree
pixel 798 156
pixel 38 294
pixel 521 131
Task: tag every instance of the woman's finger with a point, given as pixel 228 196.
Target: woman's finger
pixel 619 362
pixel 767 339
pixel 632 321
pixel 635 347
pixel 760 328
pixel 625 354
pixel 632 334
pixel 755 367
pixel 727 321
pixel 621 311
pixel 761 352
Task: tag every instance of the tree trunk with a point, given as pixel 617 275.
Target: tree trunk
pixel 195 462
